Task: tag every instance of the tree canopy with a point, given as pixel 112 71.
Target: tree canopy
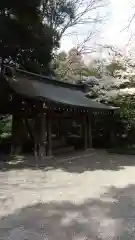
pixel 24 38
pixel 30 30
pixel 71 67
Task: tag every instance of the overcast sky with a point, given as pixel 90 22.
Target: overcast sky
pixel 119 13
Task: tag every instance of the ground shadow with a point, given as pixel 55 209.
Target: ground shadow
pixel 110 217
pixel 97 160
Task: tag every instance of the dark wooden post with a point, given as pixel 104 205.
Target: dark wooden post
pixel 14 140
pixel 17 134
pixel 37 135
pixel 40 135
pixel 49 134
pixel 112 130
pixel 89 131
pixel 17 126
pixel 43 136
pixel 112 136
pixel 85 132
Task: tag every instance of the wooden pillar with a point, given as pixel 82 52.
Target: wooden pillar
pixel 17 134
pixel 112 131
pixel 89 131
pixel 37 136
pixel 85 142
pixel 43 144
pixel 58 128
pixel 17 126
pixel 49 134
pixel 13 146
pixel 112 137
pixel 40 135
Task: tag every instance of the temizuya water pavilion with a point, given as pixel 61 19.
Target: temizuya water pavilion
pixel 46 111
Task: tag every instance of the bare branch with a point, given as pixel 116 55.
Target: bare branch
pixel 82 16
pixel 129 23
pixel 81 49
pixel 85 11
pixel 132 17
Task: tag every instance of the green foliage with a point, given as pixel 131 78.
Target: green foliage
pixel 5 127
pixel 127 106
pixel 125 120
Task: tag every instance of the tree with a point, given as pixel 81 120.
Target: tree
pixel 70 66
pixel 114 66
pixel 62 56
pixel 60 65
pixel 75 62
pixel 24 39
pixel 56 13
pixel 30 30
pixel 64 14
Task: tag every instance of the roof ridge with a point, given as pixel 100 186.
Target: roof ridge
pixel 49 80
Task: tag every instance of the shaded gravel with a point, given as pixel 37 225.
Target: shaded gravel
pixel 88 198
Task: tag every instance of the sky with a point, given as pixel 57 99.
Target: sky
pixel 113 33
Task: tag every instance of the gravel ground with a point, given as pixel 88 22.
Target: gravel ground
pixel 88 198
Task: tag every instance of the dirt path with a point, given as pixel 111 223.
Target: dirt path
pixel 89 198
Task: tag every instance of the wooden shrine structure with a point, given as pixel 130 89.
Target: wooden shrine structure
pixel 46 110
